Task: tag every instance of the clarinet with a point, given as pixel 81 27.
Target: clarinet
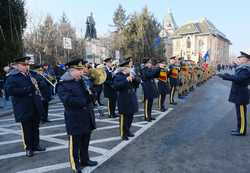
pixel 86 83
pixel 35 84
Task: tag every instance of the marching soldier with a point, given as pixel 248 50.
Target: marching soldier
pixel 163 87
pixel 182 80
pixel 78 114
pixel 239 94
pixel 127 100
pixel 27 104
pixel 173 79
pixel 149 87
pixel 109 91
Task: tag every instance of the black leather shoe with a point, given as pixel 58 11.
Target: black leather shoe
pixel 125 138
pixel 152 118
pixel 29 153
pixel 89 163
pixel 237 134
pixel 163 110
pixel 234 130
pixel 101 104
pixel 39 148
pixel 173 103
pixel 77 171
pixel 131 135
pixel 45 121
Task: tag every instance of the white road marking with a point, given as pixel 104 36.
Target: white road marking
pixel 19 154
pixel 52 167
pixel 105 140
pixel 7 119
pixel 107 153
pixel 14 124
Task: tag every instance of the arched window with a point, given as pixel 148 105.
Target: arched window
pixel 188 42
pixel 201 45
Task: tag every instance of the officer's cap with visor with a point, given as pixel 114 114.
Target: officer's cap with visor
pixel 22 60
pixel 37 67
pixel 107 59
pixel 244 54
pixel 76 64
pixel 173 57
pixel 124 63
pixel 162 61
pixel 146 60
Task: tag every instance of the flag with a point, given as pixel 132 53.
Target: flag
pixel 206 56
pixel 157 42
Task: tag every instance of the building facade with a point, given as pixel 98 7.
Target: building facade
pixel 195 40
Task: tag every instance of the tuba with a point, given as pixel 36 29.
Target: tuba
pixel 99 75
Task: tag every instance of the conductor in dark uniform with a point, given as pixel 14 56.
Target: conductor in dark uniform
pixel 149 87
pixel 127 100
pixel 173 79
pixel 78 115
pixel 109 91
pixel 27 104
pixel 239 94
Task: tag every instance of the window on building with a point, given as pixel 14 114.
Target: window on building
pixel 201 45
pixel 188 42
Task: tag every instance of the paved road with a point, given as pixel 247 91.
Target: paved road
pixel 193 137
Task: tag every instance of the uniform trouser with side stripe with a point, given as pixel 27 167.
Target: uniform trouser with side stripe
pixel 161 100
pixel 46 109
pixel 30 133
pixel 111 106
pixel 148 103
pixel 78 150
pixel 172 94
pixel 125 124
pixel 241 112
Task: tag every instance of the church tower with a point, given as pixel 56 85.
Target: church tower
pixel 169 24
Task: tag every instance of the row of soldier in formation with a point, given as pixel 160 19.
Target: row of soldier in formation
pixel 30 94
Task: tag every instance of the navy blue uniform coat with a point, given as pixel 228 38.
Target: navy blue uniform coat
pixel 77 104
pixel 26 103
pixel 148 83
pixel 109 91
pixel 127 100
pixel 239 93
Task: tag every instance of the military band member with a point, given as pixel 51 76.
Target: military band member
pixel 127 100
pixel 163 87
pixel 239 94
pixel 45 88
pixel 109 91
pixel 27 104
pixel 99 88
pixel 78 114
pixel 149 87
pixel 173 79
